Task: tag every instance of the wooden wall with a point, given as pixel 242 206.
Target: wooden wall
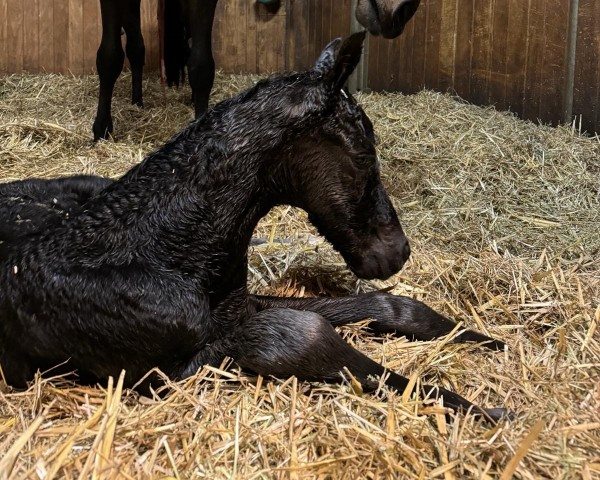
pixel 510 53
pixel 586 99
pixel 63 35
pixel 60 35
pixel 246 38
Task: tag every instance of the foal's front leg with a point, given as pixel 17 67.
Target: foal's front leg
pixel 284 342
pixel 390 314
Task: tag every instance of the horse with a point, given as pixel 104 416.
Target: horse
pixel 182 21
pixel 150 271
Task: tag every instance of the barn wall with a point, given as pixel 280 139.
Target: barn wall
pixel 63 35
pixel 60 35
pixel 510 53
pixel 246 38
pixel 586 101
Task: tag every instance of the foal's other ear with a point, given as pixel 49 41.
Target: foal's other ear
pixel 337 71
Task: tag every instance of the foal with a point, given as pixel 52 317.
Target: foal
pixel 151 270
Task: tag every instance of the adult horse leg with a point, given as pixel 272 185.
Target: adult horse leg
pixel 284 342
pixel 135 49
pixel 201 65
pixel 109 63
pixel 390 314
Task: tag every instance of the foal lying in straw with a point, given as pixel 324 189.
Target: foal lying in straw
pixel 150 271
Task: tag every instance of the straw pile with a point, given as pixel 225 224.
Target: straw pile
pixel 503 218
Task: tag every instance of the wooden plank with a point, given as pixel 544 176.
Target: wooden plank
pixel 328 24
pixel 46 36
pixel 217 36
pixel 388 70
pixel 230 48
pixel 300 30
pixel 447 47
pixel 376 77
pixel 406 52
pixel 150 33
pixel 535 59
pixel 76 37
pixel 419 47
pixel 237 36
pixel 498 61
pixel 263 43
pixel 586 100
pixel 516 54
pixel 250 40
pixel 463 48
pixel 3 36
pixel 270 31
pixel 31 28
pixel 312 29
pixel 432 52
pixel 378 73
pixel 290 44
pixel 482 53
pixel 61 36
pixel 91 19
pixel 554 68
pixel 15 20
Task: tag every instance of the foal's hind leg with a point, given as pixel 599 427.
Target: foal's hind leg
pixel 284 342
pixel 390 314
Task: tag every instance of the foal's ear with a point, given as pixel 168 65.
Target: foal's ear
pixel 346 60
pixel 327 58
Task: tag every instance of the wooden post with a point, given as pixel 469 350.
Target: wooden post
pixel 570 62
pixel 359 80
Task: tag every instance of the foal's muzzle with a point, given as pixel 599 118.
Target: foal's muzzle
pixel 386 254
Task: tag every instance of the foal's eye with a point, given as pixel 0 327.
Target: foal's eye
pixel 365 161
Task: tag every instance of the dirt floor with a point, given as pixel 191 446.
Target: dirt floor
pixel 503 220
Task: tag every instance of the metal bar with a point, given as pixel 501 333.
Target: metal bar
pixel 359 80
pixel 571 57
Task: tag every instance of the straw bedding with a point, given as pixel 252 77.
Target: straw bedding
pixel 503 218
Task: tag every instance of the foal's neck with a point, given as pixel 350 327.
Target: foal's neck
pixel 197 200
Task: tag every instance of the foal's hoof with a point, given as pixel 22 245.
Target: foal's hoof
pixel 497 414
pixel 484 340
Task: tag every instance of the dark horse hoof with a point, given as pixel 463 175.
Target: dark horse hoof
pixel 497 414
pixel 102 130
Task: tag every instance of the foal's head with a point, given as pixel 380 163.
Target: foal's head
pixel 385 17
pixel 330 167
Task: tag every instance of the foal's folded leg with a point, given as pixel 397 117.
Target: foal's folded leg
pixel 284 342
pixel 391 314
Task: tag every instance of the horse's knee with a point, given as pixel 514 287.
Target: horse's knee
pixel 287 342
pixel 109 61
